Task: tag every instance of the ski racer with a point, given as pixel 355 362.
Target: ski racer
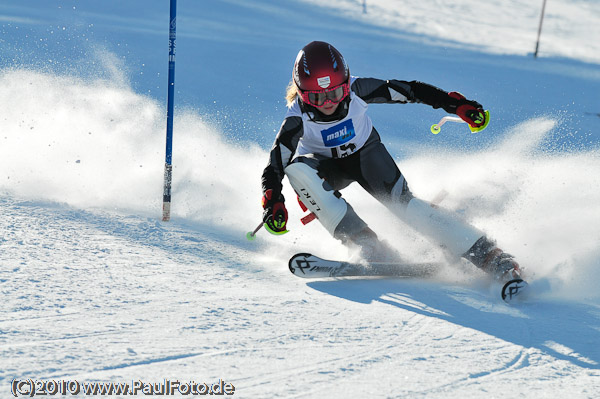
pixel 328 141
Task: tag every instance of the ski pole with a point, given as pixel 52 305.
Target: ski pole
pixel 251 235
pixel 436 128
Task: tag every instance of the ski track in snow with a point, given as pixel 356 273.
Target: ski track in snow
pixel 96 295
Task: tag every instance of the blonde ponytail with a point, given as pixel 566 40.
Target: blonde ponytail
pixel 291 92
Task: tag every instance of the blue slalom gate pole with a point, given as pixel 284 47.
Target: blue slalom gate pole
pixel 170 106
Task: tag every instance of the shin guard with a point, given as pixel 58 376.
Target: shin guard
pixel 317 195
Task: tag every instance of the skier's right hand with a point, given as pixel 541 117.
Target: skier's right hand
pixel 274 215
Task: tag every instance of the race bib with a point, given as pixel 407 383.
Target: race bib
pixel 338 134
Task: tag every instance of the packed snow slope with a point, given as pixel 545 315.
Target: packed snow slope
pixel 94 287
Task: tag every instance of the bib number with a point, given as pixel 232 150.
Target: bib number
pixel 343 150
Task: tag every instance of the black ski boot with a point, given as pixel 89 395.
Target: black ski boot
pixel 487 256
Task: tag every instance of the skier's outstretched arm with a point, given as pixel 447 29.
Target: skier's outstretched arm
pixel 373 90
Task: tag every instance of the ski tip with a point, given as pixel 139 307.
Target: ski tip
pixel 291 262
pixel 513 289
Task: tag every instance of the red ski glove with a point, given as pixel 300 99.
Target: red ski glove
pixel 275 215
pixel 469 111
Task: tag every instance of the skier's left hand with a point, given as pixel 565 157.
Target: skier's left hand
pixel 469 111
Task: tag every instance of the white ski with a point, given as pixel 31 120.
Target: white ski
pixel 310 266
pixel 307 265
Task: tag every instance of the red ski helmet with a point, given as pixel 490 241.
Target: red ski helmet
pixel 319 68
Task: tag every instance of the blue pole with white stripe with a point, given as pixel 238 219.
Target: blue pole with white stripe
pixel 170 106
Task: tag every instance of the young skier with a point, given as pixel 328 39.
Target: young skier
pixel 328 141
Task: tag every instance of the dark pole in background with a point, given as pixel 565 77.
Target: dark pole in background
pixel 537 45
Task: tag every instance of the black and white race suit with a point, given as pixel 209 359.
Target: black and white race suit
pixel 345 148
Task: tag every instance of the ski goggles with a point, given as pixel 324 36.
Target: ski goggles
pixel 318 98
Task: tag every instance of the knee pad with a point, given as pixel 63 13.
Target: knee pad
pixel 317 195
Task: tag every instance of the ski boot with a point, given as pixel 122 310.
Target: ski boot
pixel 487 256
